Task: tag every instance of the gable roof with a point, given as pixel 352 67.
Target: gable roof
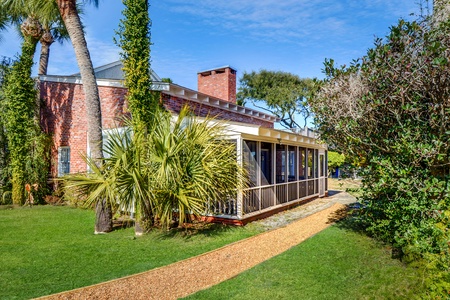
pixel 114 71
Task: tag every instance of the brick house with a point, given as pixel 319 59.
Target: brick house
pixel 285 168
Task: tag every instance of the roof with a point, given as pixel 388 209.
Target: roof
pixel 114 71
pixel 217 69
pixel 112 75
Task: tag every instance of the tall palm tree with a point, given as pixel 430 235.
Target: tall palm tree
pixel 53 30
pixel 3 21
pixel 20 93
pixel 69 14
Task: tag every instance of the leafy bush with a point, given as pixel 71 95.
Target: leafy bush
pixel 390 109
pixel 6 198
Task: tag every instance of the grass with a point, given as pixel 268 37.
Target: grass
pixel 49 249
pixel 334 264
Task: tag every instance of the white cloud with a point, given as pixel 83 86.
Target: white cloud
pixel 284 20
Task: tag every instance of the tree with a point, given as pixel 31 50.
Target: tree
pixel 335 160
pixel 390 108
pixel 72 22
pixel 5 182
pixel 134 39
pixel 19 108
pixel 53 30
pixel 3 21
pixel 283 94
pixel 180 168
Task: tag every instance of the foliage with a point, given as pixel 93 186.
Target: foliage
pixel 174 171
pixel 283 94
pixel 18 111
pixel 65 254
pixel 5 172
pixel 390 109
pixel 335 159
pixel 192 166
pixel 134 39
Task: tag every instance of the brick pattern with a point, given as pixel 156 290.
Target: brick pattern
pixel 63 116
pixel 175 104
pixel 219 83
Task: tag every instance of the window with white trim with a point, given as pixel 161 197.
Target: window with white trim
pixel 63 161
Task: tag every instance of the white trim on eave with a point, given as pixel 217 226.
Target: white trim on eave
pixel 194 96
pixel 173 90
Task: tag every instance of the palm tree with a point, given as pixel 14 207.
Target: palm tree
pixel 3 21
pixel 53 30
pixel 180 168
pixel 192 167
pixel 69 14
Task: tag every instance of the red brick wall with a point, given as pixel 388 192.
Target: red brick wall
pixel 175 104
pixel 64 116
pixel 219 83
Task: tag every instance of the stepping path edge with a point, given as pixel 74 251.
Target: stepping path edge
pixel 200 272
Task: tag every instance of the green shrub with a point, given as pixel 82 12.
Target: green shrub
pixel 390 110
pixel 6 198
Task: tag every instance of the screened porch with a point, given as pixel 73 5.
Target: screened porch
pixel 281 172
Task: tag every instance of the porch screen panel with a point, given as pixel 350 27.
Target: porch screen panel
pixel 303 189
pixel 316 170
pixel 310 163
pixel 292 191
pixel 322 165
pixel 280 163
pixel 281 193
pixel 266 164
pixel 251 201
pixel 267 197
pixel 250 162
pixel 301 163
pixel 292 163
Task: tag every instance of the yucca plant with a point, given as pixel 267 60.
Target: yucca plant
pixel 176 169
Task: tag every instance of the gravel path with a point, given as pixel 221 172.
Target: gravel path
pixel 200 272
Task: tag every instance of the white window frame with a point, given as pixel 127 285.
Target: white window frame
pixel 61 170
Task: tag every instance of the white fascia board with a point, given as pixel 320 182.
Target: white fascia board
pixel 194 96
pixel 156 86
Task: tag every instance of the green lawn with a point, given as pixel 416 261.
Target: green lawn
pixel 335 264
pixel 48 249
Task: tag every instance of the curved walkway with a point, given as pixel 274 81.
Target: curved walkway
pixel 200 272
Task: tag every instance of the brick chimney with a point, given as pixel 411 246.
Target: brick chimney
pixel 219 83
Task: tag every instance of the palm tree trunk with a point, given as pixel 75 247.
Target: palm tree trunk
pixel 46 41
pixel 73 25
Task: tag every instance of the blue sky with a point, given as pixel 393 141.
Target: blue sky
pixel 189 36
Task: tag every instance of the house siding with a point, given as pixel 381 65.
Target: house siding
pixel 63 115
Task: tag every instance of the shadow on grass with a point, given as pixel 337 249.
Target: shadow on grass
pixel 347 217
pixel 195 229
